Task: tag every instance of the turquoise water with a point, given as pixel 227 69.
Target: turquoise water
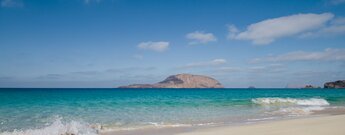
pixel 83 111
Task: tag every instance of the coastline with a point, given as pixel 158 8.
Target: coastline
pixel 313 125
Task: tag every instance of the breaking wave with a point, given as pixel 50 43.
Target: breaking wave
pixel 58 128
pixel 291 101
pixel 292 106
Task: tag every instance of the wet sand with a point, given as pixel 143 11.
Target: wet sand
pixel 323 125
pixel 319 125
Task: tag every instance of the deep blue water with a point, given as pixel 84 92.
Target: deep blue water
pixel 31 108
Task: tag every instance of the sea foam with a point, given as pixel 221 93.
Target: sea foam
pixel 58 128
pixel 299 111
pixel 292 106
pixel 291 101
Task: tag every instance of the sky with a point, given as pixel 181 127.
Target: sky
pixel 109 43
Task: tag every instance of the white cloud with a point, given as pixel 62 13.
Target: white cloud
pixel 218 61
pixel 337 2
pixel 198 37
pixel 267 31
pixel 232 31
pixel 336 27
pixel 154 46
pixel 214 62
pixel 12 3
pixel 328 54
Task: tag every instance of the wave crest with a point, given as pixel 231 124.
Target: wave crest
pixel 291 101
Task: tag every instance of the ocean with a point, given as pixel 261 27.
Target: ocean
pixel 55 111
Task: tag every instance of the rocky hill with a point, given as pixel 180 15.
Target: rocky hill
pixel 336 84
pixel 181 81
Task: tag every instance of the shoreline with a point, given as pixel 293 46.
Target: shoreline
pixel 325 124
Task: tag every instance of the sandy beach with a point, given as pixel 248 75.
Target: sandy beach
pixel 320 125
pixel 323 125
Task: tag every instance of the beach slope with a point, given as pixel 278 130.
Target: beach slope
pixel 325 125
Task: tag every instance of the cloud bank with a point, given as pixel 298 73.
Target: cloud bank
pixel 267 31
pixel 154 46
pixel 335 27
pixel 337 2
pixel 11 3
pixel 198 37
pixel 214 62
pixel 328 54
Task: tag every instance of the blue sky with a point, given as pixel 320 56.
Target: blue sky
pixel 107 43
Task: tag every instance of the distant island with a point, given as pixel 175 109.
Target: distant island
pixel 336 84
pixel 201 81
pixel 311 87
pixel 181 81
pixel 340 84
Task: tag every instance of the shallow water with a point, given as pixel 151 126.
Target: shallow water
pixel 84 111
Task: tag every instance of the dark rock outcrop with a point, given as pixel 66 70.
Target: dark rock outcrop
pixel 336 84
pixel 181 81
pixel 310 87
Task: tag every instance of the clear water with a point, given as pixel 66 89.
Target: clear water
pixel 40 111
